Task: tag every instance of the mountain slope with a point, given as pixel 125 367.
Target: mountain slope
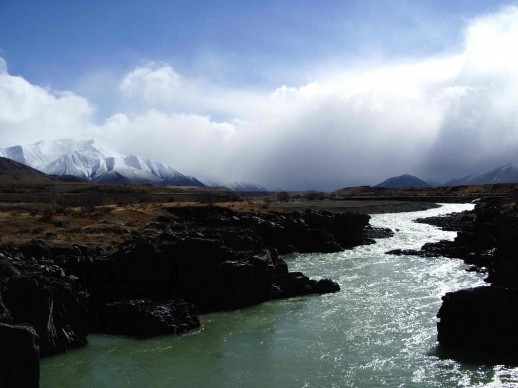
pixel 93 162
pixel 11 170
pixel 503 174
pixel 237 186
pixel 403 181
pixel 244 187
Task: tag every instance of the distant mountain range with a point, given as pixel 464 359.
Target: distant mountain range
pixel 87 160
pixel 504 174
pixel 90 161
pixel 245 187
pixel 238 186
pixel 402 182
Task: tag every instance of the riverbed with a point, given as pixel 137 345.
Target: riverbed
pixel 379 330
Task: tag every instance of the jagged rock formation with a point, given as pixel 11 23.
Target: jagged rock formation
pixel 41 295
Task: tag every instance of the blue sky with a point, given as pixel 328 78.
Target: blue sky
pixel 335 92
pixel 238 42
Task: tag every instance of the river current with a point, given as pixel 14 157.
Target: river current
pixel 379 330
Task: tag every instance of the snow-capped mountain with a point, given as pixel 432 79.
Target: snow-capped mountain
pixel 91 161
pixel 504 174
pixel 403 181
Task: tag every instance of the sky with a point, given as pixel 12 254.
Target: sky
pixel 287 94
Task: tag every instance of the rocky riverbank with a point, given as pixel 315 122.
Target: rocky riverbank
pixel 481 318
pixel 157 281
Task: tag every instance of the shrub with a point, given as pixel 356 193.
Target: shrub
pixel 314 195
pixel 283 196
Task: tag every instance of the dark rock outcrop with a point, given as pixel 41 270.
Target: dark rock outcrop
pixel 287 232
pixel 19 357
pixel 215 258
pixel 453 222
pixel 5 315
pixel 504 266
pixel 147 318
pixel 325 286
pixel 204 258
pixel 370 233
pixel 428 250
pixel 481 318
pixel 41 295
pixel 201 271
pixel 484 318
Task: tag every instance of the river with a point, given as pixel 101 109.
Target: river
pixel 379 330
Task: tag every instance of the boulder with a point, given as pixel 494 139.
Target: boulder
pixel 147 318
pixel 296 284
pixel 326 286
pixel 370 233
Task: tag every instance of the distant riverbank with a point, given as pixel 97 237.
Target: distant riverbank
pixel 356 206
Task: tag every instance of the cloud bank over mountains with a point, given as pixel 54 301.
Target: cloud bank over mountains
pixel 438 118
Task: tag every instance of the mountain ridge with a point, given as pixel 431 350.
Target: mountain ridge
pixel 507 173
pixel 88 160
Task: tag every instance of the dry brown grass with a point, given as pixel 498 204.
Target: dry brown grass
pixel 99 225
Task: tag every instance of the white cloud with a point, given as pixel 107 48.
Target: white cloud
pixel 189 142
pixel 154 82
pixel 440 117
pixel 3 66
pixel 29 112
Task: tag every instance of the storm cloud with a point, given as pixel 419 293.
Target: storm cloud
pixel 438 118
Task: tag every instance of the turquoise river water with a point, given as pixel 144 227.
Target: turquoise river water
pixel 379 330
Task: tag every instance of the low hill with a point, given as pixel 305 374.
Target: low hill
pixel 403 182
